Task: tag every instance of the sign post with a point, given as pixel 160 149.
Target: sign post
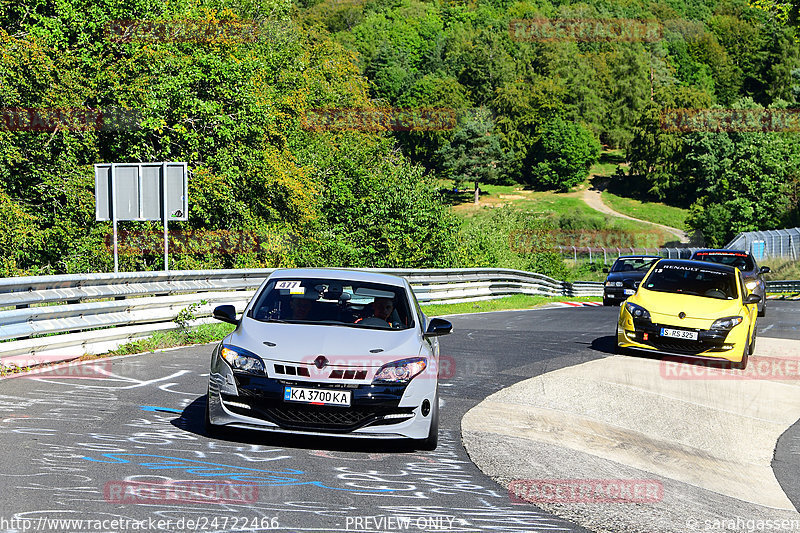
pixel 141 191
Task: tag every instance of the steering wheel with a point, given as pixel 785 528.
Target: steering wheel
pixel 374 321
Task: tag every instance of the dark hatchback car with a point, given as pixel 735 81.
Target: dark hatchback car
pixel 624 277
pixel 744 261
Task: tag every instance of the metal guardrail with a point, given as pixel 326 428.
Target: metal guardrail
pixel 89 313
pixel 792 286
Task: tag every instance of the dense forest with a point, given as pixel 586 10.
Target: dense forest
pixel 530 112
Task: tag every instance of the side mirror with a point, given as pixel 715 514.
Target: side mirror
pixel 752 299
pixel 605 271
pixel 438 326
pixel 764 270
pixel 226 313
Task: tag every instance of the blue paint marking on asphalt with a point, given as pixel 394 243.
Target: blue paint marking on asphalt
pixel 161 409
pixel 205 469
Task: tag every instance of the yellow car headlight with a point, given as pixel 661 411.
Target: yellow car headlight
pixel 727 322
pixel 751 285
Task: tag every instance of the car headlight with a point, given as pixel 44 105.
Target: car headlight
pixel 401 371
pixel 241 359
pixel 637 311
pixel 727 322
pixel 613 284
pixel 751 284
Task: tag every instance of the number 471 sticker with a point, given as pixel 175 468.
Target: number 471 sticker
pixel 293 286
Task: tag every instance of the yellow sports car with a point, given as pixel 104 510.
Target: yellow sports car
pixel 691 308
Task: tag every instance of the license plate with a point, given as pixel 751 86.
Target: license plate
pixel 629 292
pixel 679 334
pixel 316 396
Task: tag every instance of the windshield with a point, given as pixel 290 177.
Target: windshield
pixel 634 264
pixel 741 261
pixel 697 281
pixel 333 302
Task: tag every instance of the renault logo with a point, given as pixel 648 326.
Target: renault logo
pixel 681 315
pixel 321 362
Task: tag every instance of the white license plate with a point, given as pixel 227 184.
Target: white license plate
pixel 316 396
pixel 679 334
pixel 629 292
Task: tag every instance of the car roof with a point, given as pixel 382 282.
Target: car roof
pixel 721 251
pixel 639 257
pixel 703 264
pixel 340 274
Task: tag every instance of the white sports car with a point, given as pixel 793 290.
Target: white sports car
pixel 322 352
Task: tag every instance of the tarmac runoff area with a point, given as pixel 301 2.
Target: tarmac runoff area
pixel 705 438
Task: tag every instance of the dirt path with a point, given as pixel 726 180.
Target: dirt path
pixel 593 199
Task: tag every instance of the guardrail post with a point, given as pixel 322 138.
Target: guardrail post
pixel 605 259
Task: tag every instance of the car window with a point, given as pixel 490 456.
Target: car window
pixel 695 281
pixel 634 264
pixel 333 302
pixel 741 261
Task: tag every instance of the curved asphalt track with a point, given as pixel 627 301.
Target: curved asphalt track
pixel 68 438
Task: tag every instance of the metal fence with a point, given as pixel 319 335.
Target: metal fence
pixel 92 313
pixel 607 255
pixel 769 244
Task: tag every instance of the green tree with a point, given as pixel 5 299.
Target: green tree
pixel 563 156
pixel 474 153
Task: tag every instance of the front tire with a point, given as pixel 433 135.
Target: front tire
pixel 763 311
pixel 741 365
pixel 210 429
pixel 432 441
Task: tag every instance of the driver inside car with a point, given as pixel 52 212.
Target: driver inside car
pixel 383 313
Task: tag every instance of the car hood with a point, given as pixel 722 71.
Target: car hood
pixel 700 311
pixel 341 345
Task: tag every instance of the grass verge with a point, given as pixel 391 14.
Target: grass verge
pixel 659 213
pixel 507 303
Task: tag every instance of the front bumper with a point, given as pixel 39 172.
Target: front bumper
pixel 248 401
pixel 715 344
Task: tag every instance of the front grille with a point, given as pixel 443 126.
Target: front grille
pixel 680 346
pixel 325 417
pixel 289 370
